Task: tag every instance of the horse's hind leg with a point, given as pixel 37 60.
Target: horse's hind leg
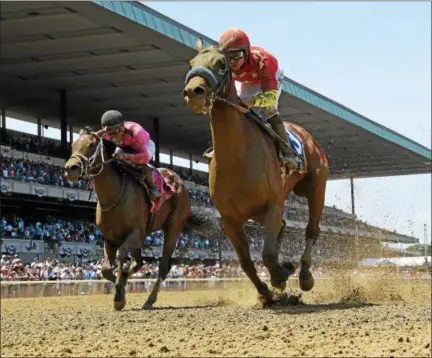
pixel 109 261
pixel 240 243
pixel 132 241
pixel 316 197
pixel 170 239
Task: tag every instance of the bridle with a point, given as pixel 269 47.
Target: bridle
pixel 86 164
pixel 219 84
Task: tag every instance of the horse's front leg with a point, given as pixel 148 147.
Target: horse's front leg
pixel 279 274
pixel 123 273
pixel 109 261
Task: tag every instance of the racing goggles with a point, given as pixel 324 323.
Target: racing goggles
pixel 235 55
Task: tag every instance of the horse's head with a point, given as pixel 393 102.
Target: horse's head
pixel 89 153
pixel 206 79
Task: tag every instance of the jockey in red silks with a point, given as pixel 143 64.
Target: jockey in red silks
pixel 130 135
pixel 259 79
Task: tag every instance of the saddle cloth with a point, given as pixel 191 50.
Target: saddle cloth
pixel 296 144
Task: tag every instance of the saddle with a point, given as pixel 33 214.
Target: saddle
pixel 167 184
pixel 295 141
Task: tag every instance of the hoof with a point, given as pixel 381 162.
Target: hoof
pixel 266 300
pixel 147 306
pixel 281 286
pixel 289 267
pixel 308 284
pixel 119 305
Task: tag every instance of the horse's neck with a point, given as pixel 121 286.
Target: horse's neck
pixel 107 185
pixel 227 130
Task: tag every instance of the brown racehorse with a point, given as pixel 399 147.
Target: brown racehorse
pixel 123 213
pixel 245 175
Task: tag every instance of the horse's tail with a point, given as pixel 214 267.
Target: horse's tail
pixel 202 220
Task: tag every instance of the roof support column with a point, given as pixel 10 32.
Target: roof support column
pixel 3 125
pixel 63 122
pixel 171 158
pixel 70 135
pixel 39 128
pixel 352 196
pixel 156 140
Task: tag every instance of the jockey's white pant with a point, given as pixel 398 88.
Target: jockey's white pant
pixel 248 90
pixel 151 149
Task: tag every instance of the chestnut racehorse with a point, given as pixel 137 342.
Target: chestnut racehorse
pixel 123 213
pixel 245 179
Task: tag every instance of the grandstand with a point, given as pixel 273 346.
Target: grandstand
pixel 44 215
pixel 32 178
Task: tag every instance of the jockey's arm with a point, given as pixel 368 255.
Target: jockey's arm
pixel 139 158
pixel 269 96
pixel 266 99
pixel 140 142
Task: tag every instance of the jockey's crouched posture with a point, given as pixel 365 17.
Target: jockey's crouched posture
pixel 258 81
pixel 130 135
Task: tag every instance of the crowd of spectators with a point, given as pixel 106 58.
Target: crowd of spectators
pixel 50 227
pixel 84 231
pixel 51 269
pixel 31 143
pixel 38 173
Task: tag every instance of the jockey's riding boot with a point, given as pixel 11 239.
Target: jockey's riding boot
pixel 208 153
pixel 289 158
pixel 149 180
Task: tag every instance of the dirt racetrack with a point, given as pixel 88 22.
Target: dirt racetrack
pixel 344 317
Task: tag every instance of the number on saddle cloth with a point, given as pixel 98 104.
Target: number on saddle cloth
pixel 296 143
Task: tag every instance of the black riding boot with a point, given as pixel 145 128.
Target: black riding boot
pixel 290 159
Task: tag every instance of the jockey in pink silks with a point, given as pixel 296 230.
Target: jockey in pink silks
pixel 130 135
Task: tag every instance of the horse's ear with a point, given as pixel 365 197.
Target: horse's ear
pixel 199 44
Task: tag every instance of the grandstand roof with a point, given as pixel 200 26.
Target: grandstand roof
pixel 126 56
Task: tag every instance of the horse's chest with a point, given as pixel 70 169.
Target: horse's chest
pixel 235 199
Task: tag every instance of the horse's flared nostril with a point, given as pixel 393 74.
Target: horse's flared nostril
pixel 200 91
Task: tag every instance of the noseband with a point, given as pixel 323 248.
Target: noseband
pixel 219 86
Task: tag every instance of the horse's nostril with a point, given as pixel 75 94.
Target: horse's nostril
pixel 72 168
pixel 199 90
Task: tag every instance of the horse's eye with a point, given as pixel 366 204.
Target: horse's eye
pixel 223 65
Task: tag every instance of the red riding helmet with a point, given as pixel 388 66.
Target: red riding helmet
pixel 237 38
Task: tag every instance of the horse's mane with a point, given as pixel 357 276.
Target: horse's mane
pixel 110 146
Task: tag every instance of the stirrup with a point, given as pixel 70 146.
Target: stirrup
pixel 293 163
pixel 155 193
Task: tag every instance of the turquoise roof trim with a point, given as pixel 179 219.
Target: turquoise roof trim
pixel 152 19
